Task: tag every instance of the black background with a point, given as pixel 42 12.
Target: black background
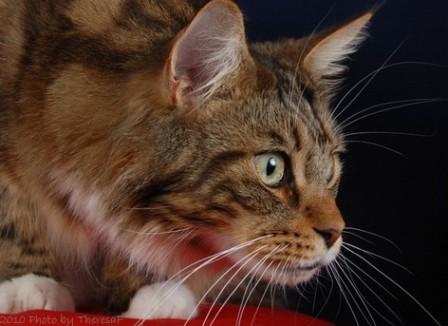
pixel 404 198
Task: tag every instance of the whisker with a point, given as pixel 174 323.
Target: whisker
pixel 240 264
pixel 338 311
pixel 387 148
pixel 369 81
pixel 202 263
pixel 369 277
pixel 156 233
pixel 358 293
pixel 264 292
pixel 373 234
pixel 285 293
pixel 283 289
pixel 380 105
pixel 346 261
pixel 392 65
pixel 246 259
pixel 377 256
pixel 389 109
pixel 272 293
pixel 246 297
pixel 398 133
pixel 315 293
pixel 351 272
pixel 276 249
pixel 396 284
pixel 327 300
pixel 259 279
pixel 358 237
pixel 304 49
pixel 211 259
pixel 342 291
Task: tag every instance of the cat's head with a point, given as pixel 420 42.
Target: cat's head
pixel 263 163
pixel 224 145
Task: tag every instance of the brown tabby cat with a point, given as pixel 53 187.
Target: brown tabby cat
pixel 147 152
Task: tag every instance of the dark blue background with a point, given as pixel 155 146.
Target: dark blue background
pixel 402 198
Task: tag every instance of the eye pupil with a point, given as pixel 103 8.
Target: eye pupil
pixel 272 165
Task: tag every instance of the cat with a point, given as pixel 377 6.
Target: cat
pixel 149 154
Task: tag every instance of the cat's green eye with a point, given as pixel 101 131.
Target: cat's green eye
pixel 271 168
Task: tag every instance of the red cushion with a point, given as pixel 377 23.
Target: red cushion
pixel 264 317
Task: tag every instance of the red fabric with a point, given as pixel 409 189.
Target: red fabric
pixel 264 317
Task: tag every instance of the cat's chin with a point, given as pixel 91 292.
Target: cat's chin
pixel 280 274
pixel 305 271
pixel 290 277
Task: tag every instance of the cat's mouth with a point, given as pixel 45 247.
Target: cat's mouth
pixel 290 275
pixel 299 268
pixel 223 254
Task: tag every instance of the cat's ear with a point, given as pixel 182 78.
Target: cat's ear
pixel 210 49
pixel 328 50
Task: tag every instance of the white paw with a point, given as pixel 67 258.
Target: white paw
pixel 163 300
pixel 31 292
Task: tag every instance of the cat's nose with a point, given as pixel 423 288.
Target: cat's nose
pixel 330 236
pixel 321 212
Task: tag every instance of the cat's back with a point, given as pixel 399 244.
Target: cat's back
pixel 11 43
pixel 42 41
pixel 37 36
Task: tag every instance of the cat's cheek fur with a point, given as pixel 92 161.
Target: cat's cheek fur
pixel 31 292
pixel 163 300
pixel 105 231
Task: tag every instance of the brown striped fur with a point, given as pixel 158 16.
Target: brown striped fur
pixel 104 140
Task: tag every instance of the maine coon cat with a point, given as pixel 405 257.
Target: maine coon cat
pixel 146 149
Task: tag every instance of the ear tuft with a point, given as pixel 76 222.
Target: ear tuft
pixel 324 59
pixel 210 49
